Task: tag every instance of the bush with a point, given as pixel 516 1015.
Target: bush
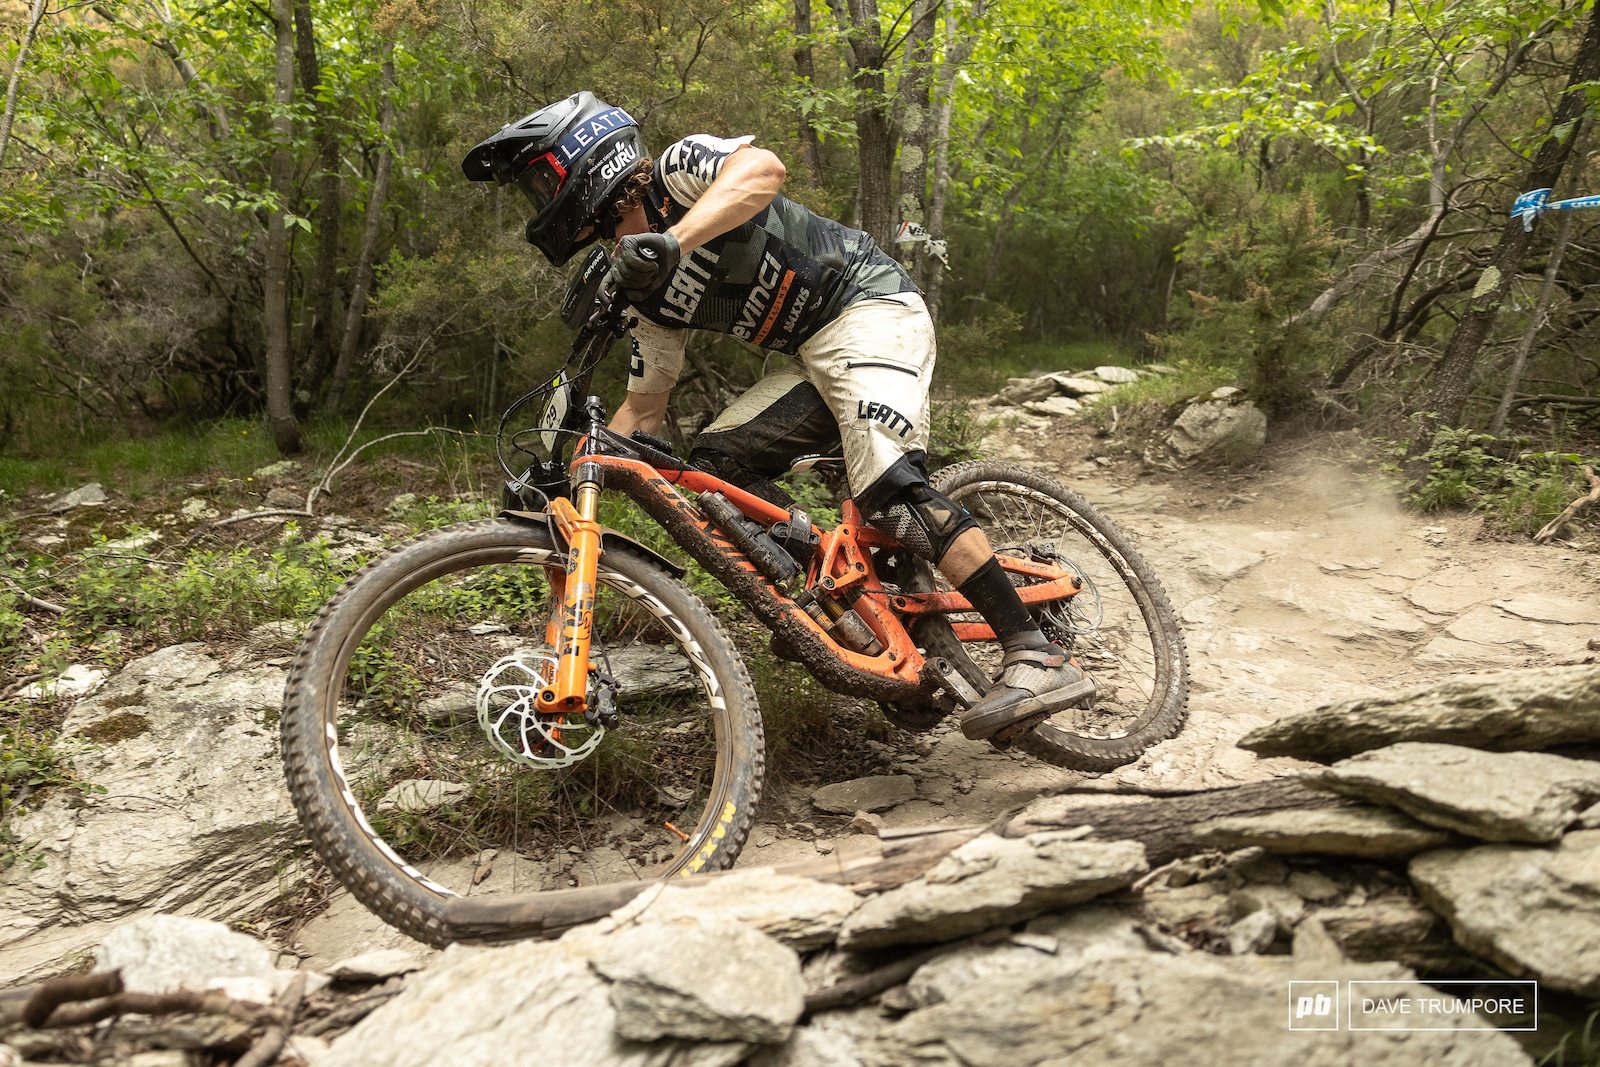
pixel 1519 492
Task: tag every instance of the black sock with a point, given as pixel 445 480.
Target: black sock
pixel 991 594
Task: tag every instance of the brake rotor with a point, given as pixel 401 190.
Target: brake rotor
pixel 506 713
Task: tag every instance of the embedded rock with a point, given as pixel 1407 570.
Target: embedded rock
pixel 878 792
pixel 1357 830
pixel 284 468
pixel 799 912
pixel 195 818
pixel 711 981
pixel 1389 929
pixel 1022 390
pixel 1529 910
pixel 1078 385
pixel 1187 908
pixel 376 966
pixel 473 1006
pixel 85 496
pixel 648 672
pixel 1496 796
pixel 1056 943
pixel 421 794
pixel 992 881
pixel 1155 1008
pixel 1502 711
pixel 1053 406
pixel 1253 933
pixel 1116 375
pixel 166 953
pixel 1216 431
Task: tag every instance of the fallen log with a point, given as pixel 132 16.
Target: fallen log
pixel 1553 527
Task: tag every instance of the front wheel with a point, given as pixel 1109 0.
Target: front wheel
pixel 422 775
pixel 1120 626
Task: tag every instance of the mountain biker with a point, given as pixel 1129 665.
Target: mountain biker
pixel 704 240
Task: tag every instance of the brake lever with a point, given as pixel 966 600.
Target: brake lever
pixel 606 314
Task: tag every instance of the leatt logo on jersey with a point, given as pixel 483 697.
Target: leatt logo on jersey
pixel 760 299
pixel 688 285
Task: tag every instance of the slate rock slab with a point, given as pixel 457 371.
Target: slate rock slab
pixel 506 1006
pixel 1502 711
pixel 713 980
pixel 993 881
pixel 1530 910
pixel 878 792
pixel 195 818
pixel 799 912
pixel 1358 830
pixel 1160 1009
pixel 1495 796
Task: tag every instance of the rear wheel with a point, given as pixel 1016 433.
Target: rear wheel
pixel 1120 626
pixel 421 773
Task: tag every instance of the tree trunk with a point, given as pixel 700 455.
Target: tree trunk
pixel 865 55
pixel 324 277
pixel 280 389
pixel 957 53
pixel 1452 376
pixel 369 241
pixel 35 17
pixel 916 126
pixel 1541 310
pixel 805 70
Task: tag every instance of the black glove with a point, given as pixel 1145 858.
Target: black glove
pixel 643 264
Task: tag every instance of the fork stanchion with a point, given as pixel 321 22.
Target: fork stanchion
pixel 568 691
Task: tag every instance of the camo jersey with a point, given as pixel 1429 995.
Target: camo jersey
pixel 773 281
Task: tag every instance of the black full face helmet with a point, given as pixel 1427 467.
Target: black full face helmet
pixel 568 159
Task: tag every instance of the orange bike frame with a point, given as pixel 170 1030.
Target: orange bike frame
pixel 841 563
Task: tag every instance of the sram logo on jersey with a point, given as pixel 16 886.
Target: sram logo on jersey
pixel 875 411
pixel 766 297
pixel 688 285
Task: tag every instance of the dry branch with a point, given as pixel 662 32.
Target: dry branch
pixel 1554 526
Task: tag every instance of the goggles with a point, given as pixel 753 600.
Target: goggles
pixel 541 180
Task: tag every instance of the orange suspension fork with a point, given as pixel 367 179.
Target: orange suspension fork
pixel 568 690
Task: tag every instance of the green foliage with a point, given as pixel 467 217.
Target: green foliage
pixel 1257 261
pixel 955 433
pixel 1518 491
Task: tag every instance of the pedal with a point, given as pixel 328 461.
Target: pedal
pixel 954 683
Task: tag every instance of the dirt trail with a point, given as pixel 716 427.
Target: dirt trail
pixel 1298 583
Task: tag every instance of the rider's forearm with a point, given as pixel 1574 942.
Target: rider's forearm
pixel 748 181
pixel 640 411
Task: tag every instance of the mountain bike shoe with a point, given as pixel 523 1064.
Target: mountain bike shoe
pixel 1032 683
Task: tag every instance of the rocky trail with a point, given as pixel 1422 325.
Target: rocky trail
pixel 1299 584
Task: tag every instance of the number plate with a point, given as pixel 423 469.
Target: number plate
pixel 555 413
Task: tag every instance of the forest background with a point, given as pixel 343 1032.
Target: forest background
pixel 250 213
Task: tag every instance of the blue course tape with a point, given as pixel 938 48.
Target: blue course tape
pixel 1531 205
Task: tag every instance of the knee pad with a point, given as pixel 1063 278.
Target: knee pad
pixel 733 472
pixel 924 520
